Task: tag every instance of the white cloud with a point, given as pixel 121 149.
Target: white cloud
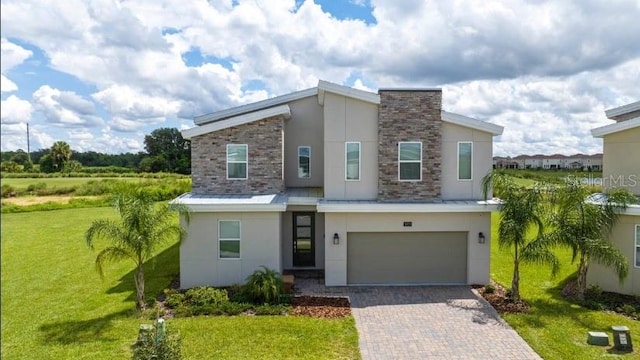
pixel 12 54
pixel 15 110
pixel 65 108
pixel 7 85
pixel 540 68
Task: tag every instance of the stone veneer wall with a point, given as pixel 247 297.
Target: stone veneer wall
pixel 264 142
pixel 409 115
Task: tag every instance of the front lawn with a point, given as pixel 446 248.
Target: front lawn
pixel 554 327
pixel 54 305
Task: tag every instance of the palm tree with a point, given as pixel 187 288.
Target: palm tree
pixel 60 154
pixel 521 213
pixel 583 222
pixel 141 228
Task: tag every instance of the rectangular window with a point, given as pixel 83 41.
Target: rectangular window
pixel 304 162
pixel 637 262
pixel 410 161
pixel 465 159
pixel 352 161
pixel 229 239
pixel 237 161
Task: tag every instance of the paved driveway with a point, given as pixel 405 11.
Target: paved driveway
pixel 430 322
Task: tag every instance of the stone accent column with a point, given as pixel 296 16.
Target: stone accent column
pixel 409 115
pixel 265 159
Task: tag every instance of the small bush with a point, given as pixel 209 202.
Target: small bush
pixel 264 286
pixel 174 300
pixel 267 309
pixel 153 346
pixel 593 292
pixel 182 311
pixel 204 295
pixel 489 289
pixel 594 305
pixel 8 191
pixel 36 187
pixel 628 309
pixel 232 308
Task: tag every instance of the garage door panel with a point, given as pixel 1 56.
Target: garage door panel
pixel 407 258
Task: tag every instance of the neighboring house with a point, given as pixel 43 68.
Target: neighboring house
pixel 371 188
pixel 556 161
pixel 621 168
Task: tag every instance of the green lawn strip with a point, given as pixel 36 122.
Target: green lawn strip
pixel 267 337
pixel 555 328
pixel 55 306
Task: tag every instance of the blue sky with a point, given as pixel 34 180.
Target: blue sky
pixel 101 74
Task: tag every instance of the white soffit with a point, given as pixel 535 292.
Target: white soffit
pixel 230 203
pixel 325 86
pixel 617 127
pixel 621 110
pixel 237 120
pixel 369 207
pixel 471 123
pixel 259 105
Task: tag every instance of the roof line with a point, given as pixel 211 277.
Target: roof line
pixel 237 120
pixel 471 123
pixel 251 107
pixel 325 86
pixel 617 127
pixel 621 110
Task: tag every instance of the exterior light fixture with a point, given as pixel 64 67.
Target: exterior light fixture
pixel 336 239
pixel 481 238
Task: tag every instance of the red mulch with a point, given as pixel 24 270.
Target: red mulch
pixel 321 307
pixel 501 301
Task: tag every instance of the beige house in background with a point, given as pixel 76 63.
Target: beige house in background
pixel 621 168
pixel 371 188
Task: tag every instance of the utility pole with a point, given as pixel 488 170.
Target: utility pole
pixel 28 144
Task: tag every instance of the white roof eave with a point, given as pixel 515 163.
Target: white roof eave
pixel 325 86
pixel 477 206
pixel 617 127
pixel 237 120
pixel 621 110
pixel 475 124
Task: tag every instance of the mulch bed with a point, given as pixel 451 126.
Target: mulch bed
pixel 501 301
pixel 321 307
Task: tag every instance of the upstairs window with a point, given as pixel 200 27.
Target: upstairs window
pixel 237 161
pixel 229 239
pixel 410 161
pixel 465 158
pixel 304 162
pixel 352 161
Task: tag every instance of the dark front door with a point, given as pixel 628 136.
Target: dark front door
pixel 303 239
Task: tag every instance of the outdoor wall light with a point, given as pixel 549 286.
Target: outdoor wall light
pixel 336 239
pixel 480 238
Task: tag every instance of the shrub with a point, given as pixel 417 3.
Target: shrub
pixel 267 309
pixel 232 308
pixel 264 286
pixel 628 309
pixel 36 187
pixel 174 300
pixel 8 191
pixel 153 345
pixel 489 289
pixel 204 295
pixel 593 292
pixel 594 305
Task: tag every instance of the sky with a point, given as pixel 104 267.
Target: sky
pixel 102 74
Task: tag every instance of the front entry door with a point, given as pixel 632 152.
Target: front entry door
pixel 303 239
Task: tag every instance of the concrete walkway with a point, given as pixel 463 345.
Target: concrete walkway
pixel 426 322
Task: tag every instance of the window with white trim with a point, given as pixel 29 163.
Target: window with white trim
pixel 229 239
pixel 304 162
pixel 237 159
pixel 465 160
pixel 352 161
pixel 410 161
pixel 637 252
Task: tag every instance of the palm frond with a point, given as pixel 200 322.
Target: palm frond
pixel 109 255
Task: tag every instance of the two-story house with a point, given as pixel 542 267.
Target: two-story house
pixel 373 188
pixel 621 169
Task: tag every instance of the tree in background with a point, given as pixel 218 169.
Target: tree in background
pixel 168 144
pixel 141 228
pixel 583 222
pixel 521 225
pixel 46 164
pixel 60 154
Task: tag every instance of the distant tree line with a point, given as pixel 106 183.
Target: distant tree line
pixel 166 151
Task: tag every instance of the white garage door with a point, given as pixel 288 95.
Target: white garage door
pixel 407 258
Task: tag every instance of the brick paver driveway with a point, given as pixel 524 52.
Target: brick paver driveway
pixel 426 322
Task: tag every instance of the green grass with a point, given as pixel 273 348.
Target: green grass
pixel 54 305
pixel 61 182
pixel 556 328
